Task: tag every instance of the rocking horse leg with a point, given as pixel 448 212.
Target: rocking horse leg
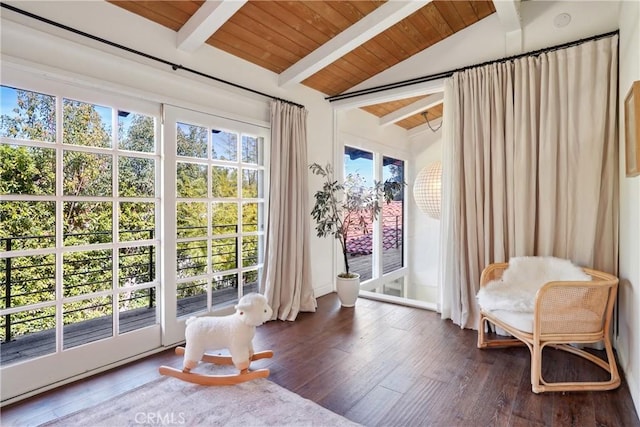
pixel 214 379
pixel 245 374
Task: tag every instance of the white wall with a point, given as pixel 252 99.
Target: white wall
pixel 28 45
pixel 424 243
pixel 628 339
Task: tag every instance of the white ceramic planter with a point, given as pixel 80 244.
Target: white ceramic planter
pixel 348 290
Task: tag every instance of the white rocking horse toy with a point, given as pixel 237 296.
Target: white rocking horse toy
pixel 234 332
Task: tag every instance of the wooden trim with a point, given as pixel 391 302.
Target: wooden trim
pixel 632 130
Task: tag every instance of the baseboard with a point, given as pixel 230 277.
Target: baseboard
pixel 634 387
pixel 319 291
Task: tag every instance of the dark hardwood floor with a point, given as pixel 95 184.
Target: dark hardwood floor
pixel 380 364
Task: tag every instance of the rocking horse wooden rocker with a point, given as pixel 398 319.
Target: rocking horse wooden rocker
pixel 234 332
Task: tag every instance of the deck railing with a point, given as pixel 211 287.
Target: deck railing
pixel 141 269
pixel 361 242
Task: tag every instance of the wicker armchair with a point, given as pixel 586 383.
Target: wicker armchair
pixel 565 313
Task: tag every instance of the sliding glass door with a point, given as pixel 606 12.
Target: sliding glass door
pixel 376 249
pixel 392 218
pixel 215 179
pixel 80 215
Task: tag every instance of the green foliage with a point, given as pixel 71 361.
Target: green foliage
pixel 27 170
pixel 224 182
pixel 83 125
pixel 340 207
pixel 136 177
pixel 191 180
pixel 139 135
pixel 30 224
pixel 191 141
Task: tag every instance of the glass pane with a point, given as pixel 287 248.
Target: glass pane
pixel 136 132
pixel 87 272
pixel 137 221
pixel 251 214
pixel 249 251
pixel 191 258
pixel 136 177
pixel 251 149
pixel 192 297
pixel 87 174
pixel 223 254
pixel 32 334
pixel 86 124
pixel 137 265
pixel 27 280
pixel 251 281
pixel 192 219
pixel 191 180
pixel 224 219
pixel 396 288
pixel 358 166
pixel 251 183
pixel 192 141
pixel 87 223
pixel 137 309
pixel 27 225
pixel 224 145
pixel 27 170
pixel 224 181
pixel 27 115
pixel 392 218
pixel 225 290
pixel 87 321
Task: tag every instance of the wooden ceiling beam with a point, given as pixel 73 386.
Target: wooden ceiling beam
pixel 509 14
pixel 413 108
pixel 205 22
pixel 365 29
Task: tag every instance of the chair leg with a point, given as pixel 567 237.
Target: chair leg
pixel 536 367
pixel 481 336
pixel 611 359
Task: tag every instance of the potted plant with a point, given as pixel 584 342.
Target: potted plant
pixel 341 207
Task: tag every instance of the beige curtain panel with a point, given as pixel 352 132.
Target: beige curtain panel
pixel 531 166
pixel 286 278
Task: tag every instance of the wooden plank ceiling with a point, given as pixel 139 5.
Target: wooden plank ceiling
pixel 276 35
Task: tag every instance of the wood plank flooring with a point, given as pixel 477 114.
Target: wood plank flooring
pixel 380 364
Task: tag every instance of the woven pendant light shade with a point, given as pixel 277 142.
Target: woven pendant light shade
pixel 427 189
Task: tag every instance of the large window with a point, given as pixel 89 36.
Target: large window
pixel 219 224
pixel 78 222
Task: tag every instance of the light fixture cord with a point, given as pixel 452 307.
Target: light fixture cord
pixel 424 114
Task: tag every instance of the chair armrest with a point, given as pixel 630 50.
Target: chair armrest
pixel 492 272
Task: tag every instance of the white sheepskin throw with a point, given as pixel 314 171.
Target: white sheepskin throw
pixel 516 290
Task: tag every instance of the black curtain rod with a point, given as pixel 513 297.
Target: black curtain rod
pixel 174 66
pixel 446 74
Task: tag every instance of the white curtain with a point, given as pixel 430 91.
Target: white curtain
pixel 286 279
pixel 531 163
